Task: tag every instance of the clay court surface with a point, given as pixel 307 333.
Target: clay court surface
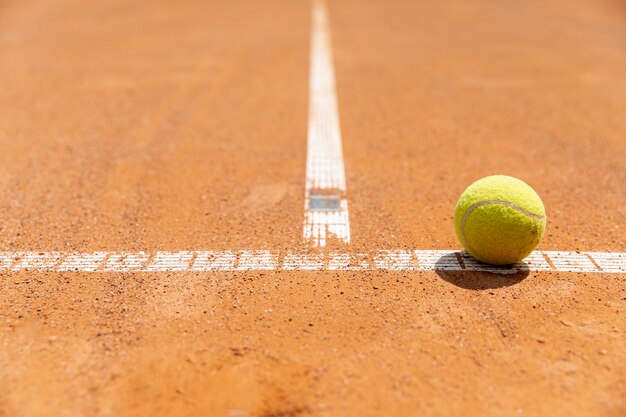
pixel 147 126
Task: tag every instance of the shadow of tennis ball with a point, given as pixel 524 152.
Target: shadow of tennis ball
pixel 490 278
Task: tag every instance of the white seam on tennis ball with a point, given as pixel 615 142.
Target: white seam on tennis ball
pixel 487 202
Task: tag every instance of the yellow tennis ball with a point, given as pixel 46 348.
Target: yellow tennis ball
pixel 499 219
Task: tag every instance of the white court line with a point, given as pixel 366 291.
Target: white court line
pixel 326 206
pixel 310 260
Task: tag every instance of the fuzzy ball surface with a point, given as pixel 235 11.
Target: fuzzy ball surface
pixel 500 219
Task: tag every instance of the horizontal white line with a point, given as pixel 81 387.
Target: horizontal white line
pixel 308 260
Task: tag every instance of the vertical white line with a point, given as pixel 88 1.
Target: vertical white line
pixel 326 206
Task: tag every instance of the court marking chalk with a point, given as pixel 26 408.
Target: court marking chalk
pixel 306 260
pixel 325 204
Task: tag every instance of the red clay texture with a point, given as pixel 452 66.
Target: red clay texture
pixel 159 125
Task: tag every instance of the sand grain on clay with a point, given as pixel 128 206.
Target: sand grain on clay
pixel 159 126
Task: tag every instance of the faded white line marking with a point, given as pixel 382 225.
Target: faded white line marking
pixel 534 262
pixel 83 262
pixel 394 260
pixel 170 261
pixel 257 260
pixel 37 261
pixel 537 262
pixel 610 262
pixel 571 261
pixel 437 259
pixel 472 264
pixel 126 261
pixel 7 259
pixel 348 262
pixel 326 207
pixel 214 261
pixel 270 260
pixel 303 261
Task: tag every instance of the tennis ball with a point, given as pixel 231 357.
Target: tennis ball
pixel 499 219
